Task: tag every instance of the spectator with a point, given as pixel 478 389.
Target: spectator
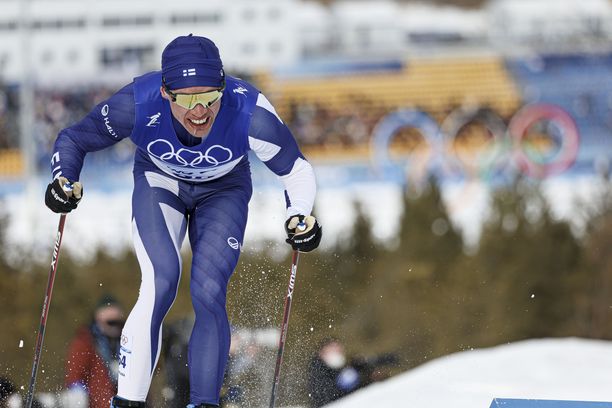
pixel 7 391
pixel 242 381
pixel 330 377
pixel 174 349
pixel 375 368
pixel 91 366
pixel 10 398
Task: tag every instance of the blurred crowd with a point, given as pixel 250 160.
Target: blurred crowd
pixel 92 361
pixel 312 124
pixel 316 125
pixel 53 111
pixel 8 117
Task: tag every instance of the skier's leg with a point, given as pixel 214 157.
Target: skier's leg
pixel 216 231
pixel 158 225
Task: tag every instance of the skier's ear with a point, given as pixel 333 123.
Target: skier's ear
pixel 163 92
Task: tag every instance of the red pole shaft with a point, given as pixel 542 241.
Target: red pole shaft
pixel 45 310
pixel 284 327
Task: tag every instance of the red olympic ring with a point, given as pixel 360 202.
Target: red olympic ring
pixel 570 140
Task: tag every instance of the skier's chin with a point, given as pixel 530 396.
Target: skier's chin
pixel 200 131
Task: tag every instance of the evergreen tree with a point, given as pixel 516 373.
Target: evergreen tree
pixel 408 297
pixel 594 285
pixel 527 259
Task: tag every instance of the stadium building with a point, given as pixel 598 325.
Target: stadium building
pixel 64 41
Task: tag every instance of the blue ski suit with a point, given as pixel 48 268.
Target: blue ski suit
pixel 183 184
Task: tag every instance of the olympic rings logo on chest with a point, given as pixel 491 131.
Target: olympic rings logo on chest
pixel 213 156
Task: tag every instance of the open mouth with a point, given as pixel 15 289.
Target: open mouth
pixel 200 122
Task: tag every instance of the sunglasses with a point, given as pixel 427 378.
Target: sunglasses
pixel 190 101
pixel 115 323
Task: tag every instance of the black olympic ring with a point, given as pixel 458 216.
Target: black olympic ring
pixel 483 162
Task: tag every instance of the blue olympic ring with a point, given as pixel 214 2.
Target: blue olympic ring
pixel 387 128
pixel 505 152
pixel 164 151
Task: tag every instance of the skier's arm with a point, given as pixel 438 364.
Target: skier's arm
pixel 106 124
pixel 273 143
pixel 78 363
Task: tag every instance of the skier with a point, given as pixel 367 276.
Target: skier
pixel 192 126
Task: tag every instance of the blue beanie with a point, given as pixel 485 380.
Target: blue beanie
pixel 192 61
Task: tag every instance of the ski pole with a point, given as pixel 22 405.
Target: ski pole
pixel 283 336
pixel 45 310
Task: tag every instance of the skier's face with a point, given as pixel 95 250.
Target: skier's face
pixel 198 120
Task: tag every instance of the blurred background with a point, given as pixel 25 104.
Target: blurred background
pixel 462 151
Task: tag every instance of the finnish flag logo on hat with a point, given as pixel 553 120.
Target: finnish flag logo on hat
pixel 189 72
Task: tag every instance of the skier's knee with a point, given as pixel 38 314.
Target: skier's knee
pixel 208 294
pixel 165 291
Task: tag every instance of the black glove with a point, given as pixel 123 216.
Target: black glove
pixel 63 196
pixel 303 233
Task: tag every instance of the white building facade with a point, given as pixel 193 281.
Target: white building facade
pixel 66 42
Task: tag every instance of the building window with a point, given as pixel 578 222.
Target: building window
pixel 116 21
pixel 363 36
pixel 57 24
pixel 125 56
pixel 275 48
pixel 46 57
pixel 195 18
pixel 248 48
pixel 248 15
pixel 4 61
pixel 274 14
pixel 72 56
pixel 8 25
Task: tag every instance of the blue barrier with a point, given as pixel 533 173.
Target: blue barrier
pixel 531 403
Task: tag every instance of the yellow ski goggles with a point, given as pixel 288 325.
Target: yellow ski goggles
pixel 190 101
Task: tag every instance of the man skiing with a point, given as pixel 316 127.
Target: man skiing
pixel 193 127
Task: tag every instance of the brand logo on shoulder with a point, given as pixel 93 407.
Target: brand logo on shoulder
pixel 241 90
pixel 105 111
pixel 153 120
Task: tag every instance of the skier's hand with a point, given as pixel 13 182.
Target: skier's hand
pixel 303 233
pixel 62 196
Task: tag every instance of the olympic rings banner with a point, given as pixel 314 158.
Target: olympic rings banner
pixel 539 140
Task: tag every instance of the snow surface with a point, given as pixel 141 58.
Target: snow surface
pixel 558 369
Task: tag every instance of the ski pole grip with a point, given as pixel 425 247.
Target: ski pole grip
pixel 301 226
pixel 67 187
